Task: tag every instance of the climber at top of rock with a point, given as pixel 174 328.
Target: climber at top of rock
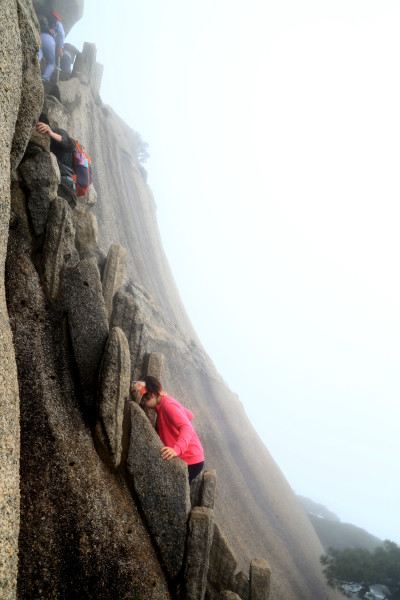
pixel 57 27
pixel 47 51
pixel 173 425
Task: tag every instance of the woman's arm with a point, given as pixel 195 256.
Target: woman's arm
pixel 45 129
pixel 178 419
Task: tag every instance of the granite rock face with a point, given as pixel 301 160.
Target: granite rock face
pixel 88 323
pixel 162 490
pixel 201 526
pixel 59 247
pixel 115 376
pixel 223 565
pixel 41 175
pixel 81 533
pixel 114 274
pixel 20 99
pixel 87 233
pixel 260 580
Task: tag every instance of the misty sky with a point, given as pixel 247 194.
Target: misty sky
pixel 274 134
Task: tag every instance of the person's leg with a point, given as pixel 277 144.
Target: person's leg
pixel 195 470
pixel 49 53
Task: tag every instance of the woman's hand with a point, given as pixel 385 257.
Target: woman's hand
pixel 43 128
pixel 168 453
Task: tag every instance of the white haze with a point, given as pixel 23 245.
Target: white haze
pixel 274 133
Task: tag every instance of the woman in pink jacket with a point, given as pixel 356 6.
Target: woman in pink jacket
pixel 173 426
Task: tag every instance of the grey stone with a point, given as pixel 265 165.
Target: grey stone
pixel 209 488
pixel 86 232
pixel 114 274
pixel 91 197
pixel 85 64
pixel 200 534
pixel 97 77
pixel 154 364
pixel 70 94
pixel 162 489
pixel 41 175
pixel 223 566
pixel 31 99
pixel 20 100
pixel 241 586
pixel 41 140
pixel 196 487
pixel 88 323
pixel 126 315
pixel 114 391
pixel 260 579
pixel 227 595
pixel 59 247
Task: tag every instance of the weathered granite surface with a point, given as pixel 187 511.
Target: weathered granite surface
pixel 114 274
pixel 20 100
pixel 41 175
pixel 88 323
pixel 81 533
pixel 161 488
pixel 200 534
pixel 115 377
pixel 59 247
pixel 260 580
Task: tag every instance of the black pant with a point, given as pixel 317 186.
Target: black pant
pixel 194 470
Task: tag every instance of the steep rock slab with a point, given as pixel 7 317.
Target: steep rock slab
pixel 260 580
pixel 200 534
pixel 88 323
pixel 86 236
pixel 154 364
pixel 41 175
pixel 21 95
pixel 223 565
pixel 81 535
pixel 209 488
pixel 241 586
pixel 162 489
pixel 31 98
pixel 226 595
pixel 59 247
pixel 114 274
pixel 115 377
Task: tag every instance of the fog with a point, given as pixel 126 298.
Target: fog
pixel 273 130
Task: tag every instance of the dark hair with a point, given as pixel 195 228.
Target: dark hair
pixel 153 386
pixel 44 119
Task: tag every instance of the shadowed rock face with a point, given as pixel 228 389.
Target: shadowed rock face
pixel 20 100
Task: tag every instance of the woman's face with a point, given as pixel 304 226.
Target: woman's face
pixel 151 401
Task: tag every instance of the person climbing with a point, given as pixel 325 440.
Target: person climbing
pixel 173 425
pixel 59 34
pixel 47 51
pixel 75 164
pixel 63 146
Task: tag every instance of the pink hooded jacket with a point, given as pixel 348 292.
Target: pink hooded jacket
pixel 176 430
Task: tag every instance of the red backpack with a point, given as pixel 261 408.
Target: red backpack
pixel 83 169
